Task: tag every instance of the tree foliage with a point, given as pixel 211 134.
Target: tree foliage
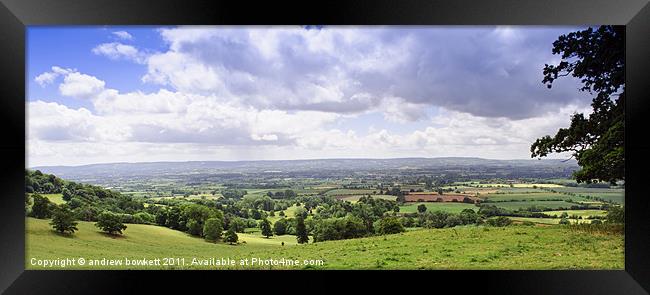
pixel 280 227
pixel 390 225
pixel 597 58
pixel 63 220
pixel 265 226
pixel 42 207
pixel 212 229
pixel 301 231
pixel 110 222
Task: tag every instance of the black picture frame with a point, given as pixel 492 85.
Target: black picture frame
pixel 15 15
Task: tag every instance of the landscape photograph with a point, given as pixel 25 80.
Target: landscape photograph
pixel 325 147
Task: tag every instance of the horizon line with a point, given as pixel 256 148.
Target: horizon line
pixel 303 159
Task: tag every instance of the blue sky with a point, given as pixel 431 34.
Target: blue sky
pixel 133 94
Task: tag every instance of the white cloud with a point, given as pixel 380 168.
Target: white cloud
pixel 116 50
pixel 80 85
pixel 254 93
pixel 50 121
pixel 49 77
pixel 123 35
pixel 352 70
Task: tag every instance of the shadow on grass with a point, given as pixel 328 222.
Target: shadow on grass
pixel 64 235
pixel 112 236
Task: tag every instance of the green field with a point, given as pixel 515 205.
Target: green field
pixel 615 195
pixel 54 198
pixel 583 213
pixel 450 207
pixel 519 190
pixel 290 212
pixel 345 192
pixel 526 204
pixel 471 247
pixel 355 198
pixel 190 197
pixel 518 185
pixel 549 220
pixel 532 197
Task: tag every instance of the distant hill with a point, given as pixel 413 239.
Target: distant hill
pixel 150 169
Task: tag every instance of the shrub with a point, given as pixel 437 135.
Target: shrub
pixel 452 220
pixel 615 214
pixel 231 237
pixel 499 221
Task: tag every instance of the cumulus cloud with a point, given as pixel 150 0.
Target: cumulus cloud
pixel 116 50
pixel 50 121
pixel 123 35
pixel 278 93
pixel 48 77
pixel 80 85
pixel 485 71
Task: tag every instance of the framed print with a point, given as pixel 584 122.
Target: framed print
pixel 499 142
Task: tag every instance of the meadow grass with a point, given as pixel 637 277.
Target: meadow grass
pixel 468 247
pixel 55 198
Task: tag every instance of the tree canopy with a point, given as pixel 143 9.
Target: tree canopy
pixel 597 58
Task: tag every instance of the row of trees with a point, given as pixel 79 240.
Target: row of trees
pixel 64 222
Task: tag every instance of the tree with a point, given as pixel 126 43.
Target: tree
pixel 110 222
pixel 390 225
pixel 422 208
pixel 28 204
pixel 194 227
pixel 212 229
pixel 597 57
pixel 63 220
pixel 66 194
pixel 42 207
pixel 265 226
pixel 231 236
pixel 237 224
pixel 301 231
pixel 280 227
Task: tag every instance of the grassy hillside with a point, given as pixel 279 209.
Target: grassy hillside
pixel 55 198
pixel 515 247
